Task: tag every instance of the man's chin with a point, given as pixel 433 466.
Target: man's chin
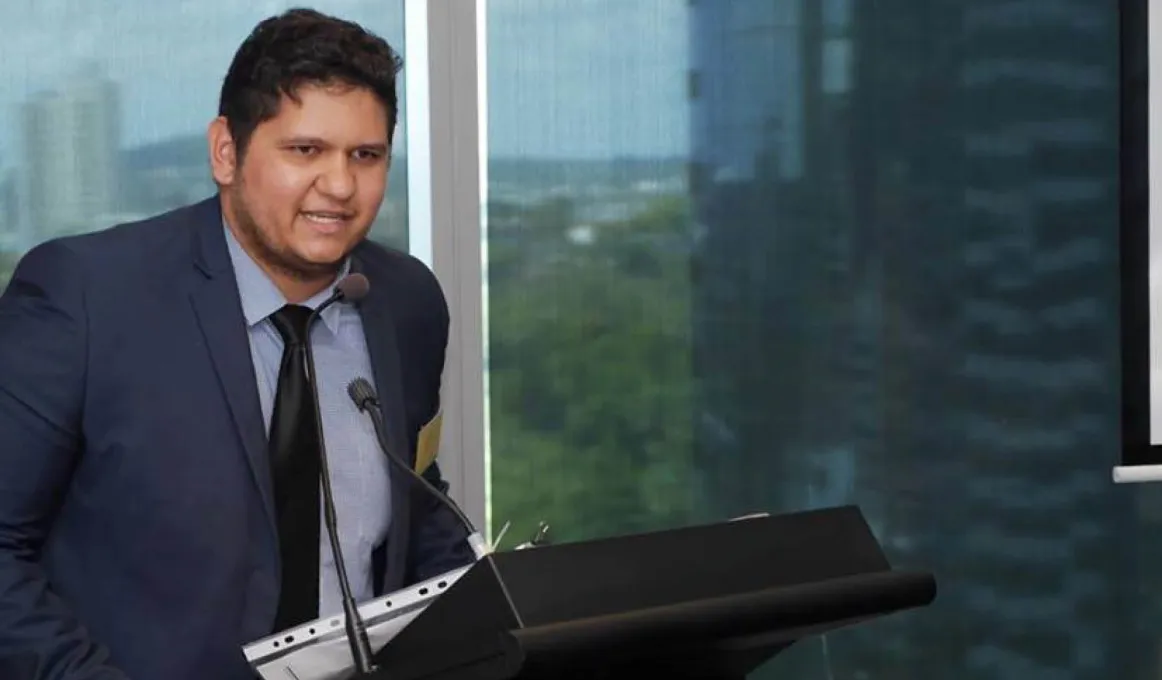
pixel 324 268
pixel 314 266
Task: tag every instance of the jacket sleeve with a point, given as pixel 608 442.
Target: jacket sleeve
pixel 43 360
pixel 438 539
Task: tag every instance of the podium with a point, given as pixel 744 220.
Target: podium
pixel 708 602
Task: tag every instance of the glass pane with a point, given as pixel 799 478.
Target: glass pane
pixel 104 106
pixel 750 255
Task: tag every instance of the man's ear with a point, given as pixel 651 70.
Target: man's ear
pixel 223 152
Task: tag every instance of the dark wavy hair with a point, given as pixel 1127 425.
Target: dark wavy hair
pixel 301 47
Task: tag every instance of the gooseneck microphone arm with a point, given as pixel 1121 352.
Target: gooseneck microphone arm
pixel 364 397
pixel 350 288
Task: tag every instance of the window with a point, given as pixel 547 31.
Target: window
pixel 840 274
pixel 104 107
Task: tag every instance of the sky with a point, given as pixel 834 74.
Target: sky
pixel 567 78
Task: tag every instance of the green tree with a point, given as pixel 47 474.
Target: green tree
pixel 591 377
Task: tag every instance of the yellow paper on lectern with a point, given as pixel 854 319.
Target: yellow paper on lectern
pixel 428 445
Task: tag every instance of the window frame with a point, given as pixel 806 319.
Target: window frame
pixel 446 116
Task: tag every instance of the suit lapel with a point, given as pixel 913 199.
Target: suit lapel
pixel 383 349
pixel 218 309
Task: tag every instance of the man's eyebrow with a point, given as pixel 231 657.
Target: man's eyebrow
pixel 379 146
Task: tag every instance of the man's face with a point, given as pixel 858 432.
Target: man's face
pixel 310 181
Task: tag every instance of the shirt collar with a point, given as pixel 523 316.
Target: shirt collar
pixel 261 298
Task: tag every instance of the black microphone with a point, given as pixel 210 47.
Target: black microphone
pixel 351 288
pixel 363 394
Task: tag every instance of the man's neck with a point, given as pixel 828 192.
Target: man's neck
pixel 294 288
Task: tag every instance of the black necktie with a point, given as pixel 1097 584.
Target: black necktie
pixel 294 457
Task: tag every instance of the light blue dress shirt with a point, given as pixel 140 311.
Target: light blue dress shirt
pixel 359 470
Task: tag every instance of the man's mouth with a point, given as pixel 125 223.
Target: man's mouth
pixel 327 216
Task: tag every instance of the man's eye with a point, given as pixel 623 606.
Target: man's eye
pixel 367 154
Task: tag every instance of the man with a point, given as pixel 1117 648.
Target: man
pixel 158 456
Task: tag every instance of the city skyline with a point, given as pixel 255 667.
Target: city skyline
pixel 639 87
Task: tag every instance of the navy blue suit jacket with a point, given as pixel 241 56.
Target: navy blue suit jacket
pixel 137 534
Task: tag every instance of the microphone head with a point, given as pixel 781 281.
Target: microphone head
pixel 353 287
pixel 361 392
